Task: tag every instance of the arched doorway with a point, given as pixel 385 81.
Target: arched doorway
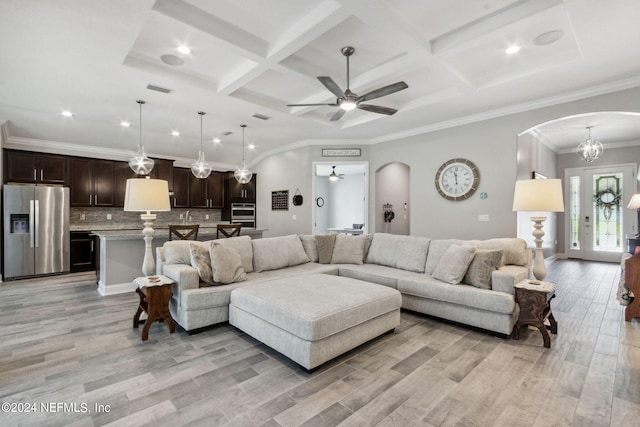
pixel 392 196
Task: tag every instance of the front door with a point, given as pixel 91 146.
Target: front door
pixel 597 219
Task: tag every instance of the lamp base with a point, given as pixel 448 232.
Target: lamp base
pixel 148 263
pixel 539 269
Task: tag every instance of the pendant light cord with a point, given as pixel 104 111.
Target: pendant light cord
pixel 243 126
pixel 202 113
pixel 140 102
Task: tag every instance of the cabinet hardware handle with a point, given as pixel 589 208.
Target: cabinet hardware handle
pixel 92 246
pixel 35 174
pixel 174 202
pixel 95 200
pixel 41 174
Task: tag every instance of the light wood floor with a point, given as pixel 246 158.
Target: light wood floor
pixel 61 343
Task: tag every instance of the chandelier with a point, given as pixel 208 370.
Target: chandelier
pixel 140 163
pixel 200 168
pixel 242 174
pixel 590 149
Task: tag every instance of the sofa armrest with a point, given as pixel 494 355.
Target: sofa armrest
pixel 503 279
pixel 185 276
pixel 160 260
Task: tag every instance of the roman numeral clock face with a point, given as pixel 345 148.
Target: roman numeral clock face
pixel 457 179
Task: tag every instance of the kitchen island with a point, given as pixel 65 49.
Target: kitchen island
pixel 120 254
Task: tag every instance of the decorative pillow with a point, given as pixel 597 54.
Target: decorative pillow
pixel 437 248
pixel 226 264
pixel 177 252
pixel 403 252
pixel 348 249
pixel 273 253
pixel 310 246
pixel 454 264
pixel 484 263
pixel 242 245
pixel 325 247
pixel 201 261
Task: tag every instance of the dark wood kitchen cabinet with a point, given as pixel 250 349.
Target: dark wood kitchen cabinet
pixel 92 182
pixel 181 187
pixel 208 192
pixel 29 167
pixel 82 251
pixel 237 193
pixel 122 173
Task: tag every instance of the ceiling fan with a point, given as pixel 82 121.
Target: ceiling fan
pixel 348 100
pixel 333 176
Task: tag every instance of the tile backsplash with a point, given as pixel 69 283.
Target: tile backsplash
pixel 97 218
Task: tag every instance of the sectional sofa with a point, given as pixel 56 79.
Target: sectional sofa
pixel 465 281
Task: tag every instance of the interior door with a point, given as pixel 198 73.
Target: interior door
pixel 596 218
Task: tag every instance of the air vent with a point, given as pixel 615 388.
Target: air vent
pixel 261 116
pixel 226 133
pixel 158 89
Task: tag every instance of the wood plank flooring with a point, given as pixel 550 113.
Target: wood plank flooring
pixel 62 343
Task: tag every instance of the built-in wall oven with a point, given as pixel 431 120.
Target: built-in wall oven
pixel 244 213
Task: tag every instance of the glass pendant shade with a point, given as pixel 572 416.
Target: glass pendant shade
pixel 140 163
pixel 590 149
pixel 200 168
pixel 242 174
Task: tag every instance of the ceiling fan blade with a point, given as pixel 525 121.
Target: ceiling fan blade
pixel 338 115
pixel 377 109
pixel 311 105
pixel 383 91
pixel 331 85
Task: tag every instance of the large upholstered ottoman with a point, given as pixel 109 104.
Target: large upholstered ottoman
pixel 315 317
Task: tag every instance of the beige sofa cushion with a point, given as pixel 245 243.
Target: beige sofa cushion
pixel 310 246
pixel 272 253
pixel 348 249
pixel 515 250
pixel 437 248
pixel 177 252
pixel 242 244
pixel 325 247
pixel 403 252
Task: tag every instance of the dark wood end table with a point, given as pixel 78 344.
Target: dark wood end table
pixel 155 294
pixel 535 308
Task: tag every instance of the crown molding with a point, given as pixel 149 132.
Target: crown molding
pixel 514 109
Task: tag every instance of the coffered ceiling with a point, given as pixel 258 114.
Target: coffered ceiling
pixel 95 58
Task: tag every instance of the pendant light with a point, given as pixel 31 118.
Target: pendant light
pixel 140 163
pixel 590 149
pixel 242 174
pixel 200 168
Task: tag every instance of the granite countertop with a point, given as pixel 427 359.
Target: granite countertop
pixel 162 231
pixel 130 227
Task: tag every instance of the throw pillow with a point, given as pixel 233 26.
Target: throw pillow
pixel 226 264
pixel 325 247
pixel 310 246
pixel 454 264
pixel 272 253
pixel 348 249
pixel 515 250
pixel 437 248
pixel 484 263
pixel 201 261
pixel 242 245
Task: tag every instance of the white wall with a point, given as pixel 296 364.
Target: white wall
pixel 345 209
pixel 322 212
pixel 392 187
pixel 490 144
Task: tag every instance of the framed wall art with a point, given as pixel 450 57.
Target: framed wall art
pixel 280 200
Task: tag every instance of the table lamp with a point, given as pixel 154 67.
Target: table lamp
pixel 538 195
pixel 146 195
pixel 634 203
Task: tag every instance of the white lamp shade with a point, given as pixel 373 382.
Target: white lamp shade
pixel 146 195
pixel 538 195
pixel 634 203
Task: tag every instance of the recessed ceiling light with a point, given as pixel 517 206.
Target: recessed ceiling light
pixel 67 113
pixel 513 49
pixel 251 146
pixel 217 140
pixel 175 133
pixel 184 49
pixel 548 37
pixel 125 124
pixel 171 60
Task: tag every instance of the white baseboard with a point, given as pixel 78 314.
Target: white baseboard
pixel 118 288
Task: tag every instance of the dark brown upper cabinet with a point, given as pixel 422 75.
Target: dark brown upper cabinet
pixel 92 182
pixel 28 167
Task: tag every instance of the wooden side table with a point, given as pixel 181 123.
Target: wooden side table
pixel 535 308
pixel 155 294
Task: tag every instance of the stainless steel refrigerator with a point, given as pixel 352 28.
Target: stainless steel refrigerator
pixel 36 230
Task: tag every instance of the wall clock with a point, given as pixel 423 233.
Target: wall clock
pixel 457 179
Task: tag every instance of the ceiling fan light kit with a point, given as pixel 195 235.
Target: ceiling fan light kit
pixel 347 100
pixel 200 168
pixel 242 174
pixel 140 163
